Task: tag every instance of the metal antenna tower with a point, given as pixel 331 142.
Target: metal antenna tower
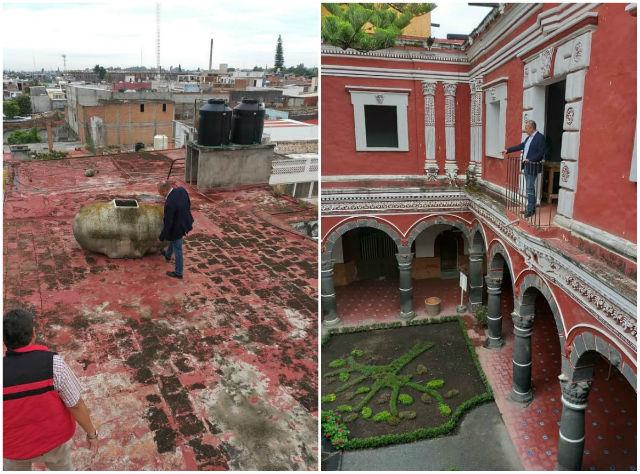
pixel 158 37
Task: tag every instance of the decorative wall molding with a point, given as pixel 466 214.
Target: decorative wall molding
pixel 451 166
pixel 430 163
pixel 400 54
pixel 599 297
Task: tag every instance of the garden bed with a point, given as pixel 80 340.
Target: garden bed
pixel 396 383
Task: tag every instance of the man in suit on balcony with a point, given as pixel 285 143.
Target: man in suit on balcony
pixel 533 153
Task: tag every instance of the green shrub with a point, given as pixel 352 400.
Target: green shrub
pixel 426 398
pixel 20 137
pixel 481 313
pixel 350 417
pixel 344 376
pixel 366 412
pixel 334 429
pixel 452 393
pixel 435 384
pixel 344 408
pixel 405 399
pixel 329 398
pixel 334 364
pixel 394 420
pixel 382 416
pixel 407 415
pixel 362 390
pixel 357 352
pixel 444 409
pixel 421 369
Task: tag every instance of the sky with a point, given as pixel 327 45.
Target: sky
pixel 456 17
pixel 123 33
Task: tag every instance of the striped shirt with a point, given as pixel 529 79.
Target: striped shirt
pixel 65 382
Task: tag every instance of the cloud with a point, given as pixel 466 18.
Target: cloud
pixel 455 17
pixel 113 33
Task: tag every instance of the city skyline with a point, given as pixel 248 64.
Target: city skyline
pixel 134 42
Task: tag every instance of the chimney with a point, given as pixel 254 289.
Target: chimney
pixel 210 54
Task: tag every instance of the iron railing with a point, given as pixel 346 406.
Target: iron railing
pixel 516 193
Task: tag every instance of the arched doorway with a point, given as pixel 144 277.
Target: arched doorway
pixel 499 297
pixel 440 252
pixel 366 275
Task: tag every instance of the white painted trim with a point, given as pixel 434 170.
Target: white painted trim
pixel 573 406
pixel 510 262
pixel 564 438
pixel 398 100
pixel 362 216
pixel 625 248
pixel 369 177
pixel 613 340
pixel 366 88
pixel 494 82
pixel 534 44
pixel 388 73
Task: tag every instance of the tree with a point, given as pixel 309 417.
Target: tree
pixel 10 109
pixel 279 62
pixel 100 71
pixel 179 68
pixel 24 104
pixel 368 26
pixel 257 68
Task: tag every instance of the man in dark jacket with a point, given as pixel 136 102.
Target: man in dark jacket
pixel 177 223
pixel 533 153
pixel 41 399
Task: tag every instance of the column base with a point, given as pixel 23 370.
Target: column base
pixel 407 316
pixel 493 343
pixel 331 322
pixel 520 398
pixel 475 305
pixel 461 308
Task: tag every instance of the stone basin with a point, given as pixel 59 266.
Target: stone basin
pixel 121 228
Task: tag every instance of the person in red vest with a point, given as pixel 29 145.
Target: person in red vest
pixel 41 401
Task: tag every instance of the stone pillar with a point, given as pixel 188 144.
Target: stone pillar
pixel 494 316
pixel 522 329
pixel 430 164
pixel 328 293
pixel 476 126
pixel 571 443
pixel 406 286
pixel 475 279
pixel 451 167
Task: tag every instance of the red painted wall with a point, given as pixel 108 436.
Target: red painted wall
pixel 605 198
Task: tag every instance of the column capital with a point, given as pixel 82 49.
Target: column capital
pixel 522 322
pixel 404 258
pixel 327 264
pixel 493 283
pixel 476 84
pixel 450 88
pixel 429 87
pixel 574 394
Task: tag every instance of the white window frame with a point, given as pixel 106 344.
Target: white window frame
pixel 398 99
pixel 495 94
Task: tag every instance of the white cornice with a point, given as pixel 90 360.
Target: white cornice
pixel 388 73
pixel 495 81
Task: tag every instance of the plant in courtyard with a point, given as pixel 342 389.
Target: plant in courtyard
pixel 385 376
pixel 334 429
pixel 362 390
pixel 382 416
pixel 481 315
pixel 334 364
pixel 330 398
pixel 366 412
pixel 368 26
pixel 344 408
pixel 24 136
pixel 444 409
pixel 357 352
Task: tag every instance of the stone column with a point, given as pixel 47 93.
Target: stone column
pixel 571 443
pixel 430 163
pixel 451 167
pixel 522 329
pixel 328 293
pixel 476 125
pixel 406 286
pixel 494 316
pixel 475 278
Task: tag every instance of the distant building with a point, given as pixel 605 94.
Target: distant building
pixel 40 101
pixel 57 98
pixel 111 118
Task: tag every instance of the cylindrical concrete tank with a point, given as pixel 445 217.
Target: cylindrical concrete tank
pixel 248 122
pixel 121 228
pixel 214 126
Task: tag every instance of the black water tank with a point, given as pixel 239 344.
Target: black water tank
pixel 215 123
pixel 248 122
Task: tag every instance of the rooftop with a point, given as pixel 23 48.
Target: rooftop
pixel 179 375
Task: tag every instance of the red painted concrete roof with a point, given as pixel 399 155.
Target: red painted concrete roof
pixel 216 371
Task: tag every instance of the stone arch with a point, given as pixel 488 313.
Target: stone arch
pixel 497 248
pixel 584 347
pixel 478 240
pixel 417 228
pixel 525 303
pixel 343 228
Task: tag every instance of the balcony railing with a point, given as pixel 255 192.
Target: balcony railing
pixel 516 193
pixel 294 170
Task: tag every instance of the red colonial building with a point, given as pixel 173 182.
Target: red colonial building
pixel 415 189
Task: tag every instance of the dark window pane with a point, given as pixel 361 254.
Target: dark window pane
pixel 141 107
pixel 381 124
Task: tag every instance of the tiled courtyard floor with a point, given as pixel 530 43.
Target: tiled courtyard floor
pixel 216 371
pixel 611 416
